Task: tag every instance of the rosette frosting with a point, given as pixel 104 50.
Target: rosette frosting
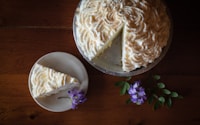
pixel 144 24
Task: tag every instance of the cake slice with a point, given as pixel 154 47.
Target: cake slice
pixel 46 81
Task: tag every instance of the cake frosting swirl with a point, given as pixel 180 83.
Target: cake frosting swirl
pixel 47 81
pixel 144 24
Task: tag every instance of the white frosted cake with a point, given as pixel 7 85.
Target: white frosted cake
pixel 46 81
pixel 143 24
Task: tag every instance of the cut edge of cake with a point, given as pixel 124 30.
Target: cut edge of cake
pixel 109 42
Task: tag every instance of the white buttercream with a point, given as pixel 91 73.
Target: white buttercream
pixel 145 25
pixel 46 81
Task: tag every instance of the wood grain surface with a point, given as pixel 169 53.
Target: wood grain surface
pixel 30 29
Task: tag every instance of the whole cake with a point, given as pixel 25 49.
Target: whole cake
pixel 46 81
pixel 143 24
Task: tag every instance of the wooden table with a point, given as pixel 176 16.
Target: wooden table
pixel 30 29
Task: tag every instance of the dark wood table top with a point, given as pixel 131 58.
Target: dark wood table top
pixel 30 29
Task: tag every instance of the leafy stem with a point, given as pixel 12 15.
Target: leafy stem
pixel 158 94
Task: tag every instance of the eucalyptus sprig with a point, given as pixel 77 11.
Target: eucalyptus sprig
pixel 158 94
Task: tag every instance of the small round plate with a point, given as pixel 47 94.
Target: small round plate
pixel 66 63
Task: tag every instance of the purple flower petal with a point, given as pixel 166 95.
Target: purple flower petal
pixel 134 96
pixel 137 93
pixel 77 97
pixel 136 84
pixel 132 90
pixel 141 93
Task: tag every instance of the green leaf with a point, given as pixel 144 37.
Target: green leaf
pixel 155 96
pixel 161 85
pixel 166 91
pixel 150 99
pixel 161 99
pixel 127 86
pixel 157 105
pixel 174 94
pixel 156 77
pixel 128 78
pixel 128 101
pixel 124 88
pixel 121 83
pixel 169 102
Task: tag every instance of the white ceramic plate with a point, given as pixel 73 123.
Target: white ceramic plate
pixel 66 63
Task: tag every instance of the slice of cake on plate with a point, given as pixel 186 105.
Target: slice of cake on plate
pixel 47 81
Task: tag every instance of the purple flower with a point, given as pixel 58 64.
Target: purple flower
pixel 137 93
pixel 77 97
